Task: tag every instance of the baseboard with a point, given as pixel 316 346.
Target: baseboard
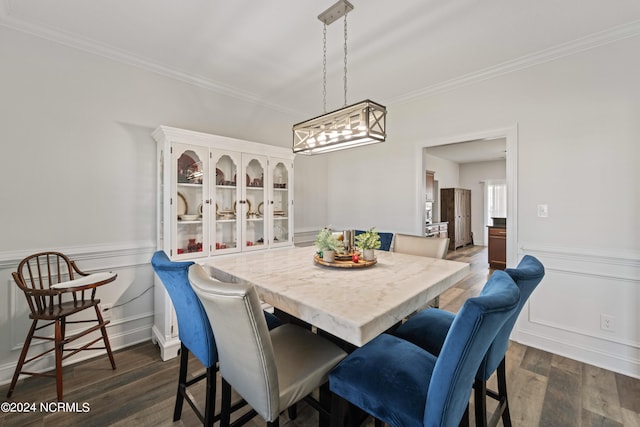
pixel 608 359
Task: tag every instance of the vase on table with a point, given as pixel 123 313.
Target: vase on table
pixel 328 256
pixel 368 254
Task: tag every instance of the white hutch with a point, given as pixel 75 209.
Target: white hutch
pixel 216 196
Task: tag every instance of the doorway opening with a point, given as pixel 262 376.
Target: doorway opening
pixel 479 146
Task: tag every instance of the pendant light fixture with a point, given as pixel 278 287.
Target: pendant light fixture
pixel 353 125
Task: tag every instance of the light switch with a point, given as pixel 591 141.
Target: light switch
pixel 543 211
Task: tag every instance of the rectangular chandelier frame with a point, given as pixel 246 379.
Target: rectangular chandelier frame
pixel 355 125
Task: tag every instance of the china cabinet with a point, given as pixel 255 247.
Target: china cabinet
pixel 216 196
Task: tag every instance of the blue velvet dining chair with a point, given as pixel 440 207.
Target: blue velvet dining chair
pixel 428 329
pixel 385 239
pixel 404 385
pixel 196 336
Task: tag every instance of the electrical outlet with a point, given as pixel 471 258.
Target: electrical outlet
pixel 607 322
pixel 106 309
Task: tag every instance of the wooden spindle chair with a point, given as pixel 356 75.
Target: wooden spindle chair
pixel 55 289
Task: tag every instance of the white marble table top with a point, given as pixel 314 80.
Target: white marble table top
pixel 354 304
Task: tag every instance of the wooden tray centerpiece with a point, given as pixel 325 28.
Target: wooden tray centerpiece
pixel 326 240
pixel 344 261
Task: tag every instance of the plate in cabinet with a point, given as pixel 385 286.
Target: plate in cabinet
pixel 183 208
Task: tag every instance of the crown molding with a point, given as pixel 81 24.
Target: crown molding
pixel 628 30
pixel 96 48
pixel 631 29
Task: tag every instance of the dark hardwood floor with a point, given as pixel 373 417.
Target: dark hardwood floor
pixel 544 389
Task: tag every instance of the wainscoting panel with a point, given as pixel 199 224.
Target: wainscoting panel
pixel 131 296
pixel 586 308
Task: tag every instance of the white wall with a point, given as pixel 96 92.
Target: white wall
pixel 447 173
pixel 578 151
pixel 78 173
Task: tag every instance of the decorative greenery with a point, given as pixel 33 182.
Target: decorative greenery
pixel 370 239
pixel 327 241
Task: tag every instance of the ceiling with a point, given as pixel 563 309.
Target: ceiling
pixel 479 150
pixel 270 52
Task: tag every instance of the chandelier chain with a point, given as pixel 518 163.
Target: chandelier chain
pixel 324 68
pixel 345 59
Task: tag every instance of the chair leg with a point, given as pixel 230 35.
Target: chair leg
pixel 210 404
pixel 338 411
pixel 502 393
pixel 292 411
pixel 324 418
pixel 480 402
pixel 59 347
pixel 182 382
pixel 105 337
pixel 21 359
pixel 225 409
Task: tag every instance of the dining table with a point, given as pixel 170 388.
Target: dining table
pixel 353 304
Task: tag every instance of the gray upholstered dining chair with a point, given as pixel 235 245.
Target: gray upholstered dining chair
pixel 404 385
pixel 195 336
pixel 429 328
pixel 432 247
pixel 271 370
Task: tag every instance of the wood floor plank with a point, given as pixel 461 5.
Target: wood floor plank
pixel 526 392
pixel 592 419
pixel 562 402
pixel 537 361
pixel 600 394
pixel 628 392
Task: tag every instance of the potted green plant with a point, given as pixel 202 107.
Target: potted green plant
pixel 328 244
pixel 368 241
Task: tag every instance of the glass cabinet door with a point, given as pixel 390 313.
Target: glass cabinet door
pixel 226 197
pixel 281 171
pixel 189 184
pixel 254 202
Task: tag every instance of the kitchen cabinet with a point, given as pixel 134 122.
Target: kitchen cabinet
pixel 216 196
pixel 438 229
pixel 455 208
pixel 497 252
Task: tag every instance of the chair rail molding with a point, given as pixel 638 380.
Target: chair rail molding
pixel 120 254
pixel 564 315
